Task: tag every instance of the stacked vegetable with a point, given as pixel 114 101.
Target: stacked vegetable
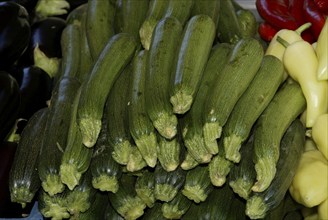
pixel 176 110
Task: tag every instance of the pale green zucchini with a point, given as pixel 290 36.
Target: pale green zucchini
pixel 168 152
pixel 193 53
pixel 116 55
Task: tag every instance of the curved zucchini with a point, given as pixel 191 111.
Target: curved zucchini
pixel 207 7
pixel 99 25
pixel 54 207
pixel 194 50
pixel 168 152
pixel 24 181
pixel 291 149
pixel 97 208
pixel 154 213
pixel 188 162
pixel 244 61
pixel 145 188
pixel 61 112
pixel 140 125
pixel 116 55
pixel 162 53
pixel 269 129
pixel 177 207
pixel 243 116
pixel 192 120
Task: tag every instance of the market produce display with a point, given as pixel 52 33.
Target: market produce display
pixel 165 109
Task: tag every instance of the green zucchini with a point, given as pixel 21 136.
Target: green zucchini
pixel 229 29
pixel 243 116
pixel 133 13
pixel 97 209
pixel 269 129
pixel 291 149
pixel 207 7
pixel 247 22
pixel 75 16
pixel 135 161
pixel 116 113
pixel 99 25
pixel 242 175
pixel 244 61
pixel 156 11
pixel 111 213
pixel 168 153
pixel 198 184
pixel 76 157
pixel 61 112
pixel 140 125
pixel 219 167
pixel 177 207
pixel 193 53
pixel 192 120
pixel 116 55
pixel 105 171
pixel 70 46
pixel 180 9
pixel 161 57
pixel 168 184
pixel 145 188
pixel 188 162
pixel 125 201
pixel 24 181
pixel 53 207
pixel 154 213
pixel 79 199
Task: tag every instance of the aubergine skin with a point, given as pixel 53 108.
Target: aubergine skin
pixel 15 33
pixel 9 103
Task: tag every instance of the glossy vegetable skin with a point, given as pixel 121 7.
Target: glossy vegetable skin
pixel 15 32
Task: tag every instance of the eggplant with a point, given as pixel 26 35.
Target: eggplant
pixel 44 49
pixel 15 33
pixel 9 103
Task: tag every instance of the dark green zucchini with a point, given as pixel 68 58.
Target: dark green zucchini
pixel 198 184
pixel 168 152
pixel 145 187
pixel 188 162
pixel 291 149
pixel 126 201
pixel 97 209
pixel 177 207
pixel 168 184
pixel 270 128
pixel 56 132
pixel 135 162
pixel 140 125
pixel 154 213
pixel 24 181
pixel 111 213
pixel 207 7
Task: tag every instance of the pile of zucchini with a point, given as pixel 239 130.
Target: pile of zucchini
pixel 163 109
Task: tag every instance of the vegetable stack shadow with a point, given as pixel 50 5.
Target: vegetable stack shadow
pixel 171 109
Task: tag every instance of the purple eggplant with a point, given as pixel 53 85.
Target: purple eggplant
pixel 15 32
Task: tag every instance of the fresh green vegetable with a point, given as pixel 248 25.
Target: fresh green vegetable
pixel 207 7
pixel 168 152
pixel 177 207
pixel 145 188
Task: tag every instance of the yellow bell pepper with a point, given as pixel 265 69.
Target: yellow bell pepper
pixel 323 210
pixel 319 134
pixel 301 63
pixel 291 36
pixel 309 185
pixel 322 53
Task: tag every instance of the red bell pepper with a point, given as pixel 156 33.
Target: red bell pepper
pixel 313 15
pixel 322 5
pixel 267 31
pixel 276 13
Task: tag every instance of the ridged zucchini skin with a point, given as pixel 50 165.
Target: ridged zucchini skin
pixel 192 120
pixel 105 171
pixel 207 7
pixel 162 52
pixel 177 207
pixel 156 11
pixel 180 9
pixel 56 132
pixel 116 114
pixel 242 175
pixel 269 130
pixel 125 201
pixel 70 43
pixel 154 213
pixel 243 116
pixel 140 125
pixel 9 103
pixel 244 61
pixel 145 188
pixel 115 56
pixel 198 184
pixel 97 208
pixel 111 213
pixel 229 29
pixel 99 25
pixel 168 152
pixel 168 184
pixel 132 15
pixel 194 50
pixel 291 149
pixel 24 181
